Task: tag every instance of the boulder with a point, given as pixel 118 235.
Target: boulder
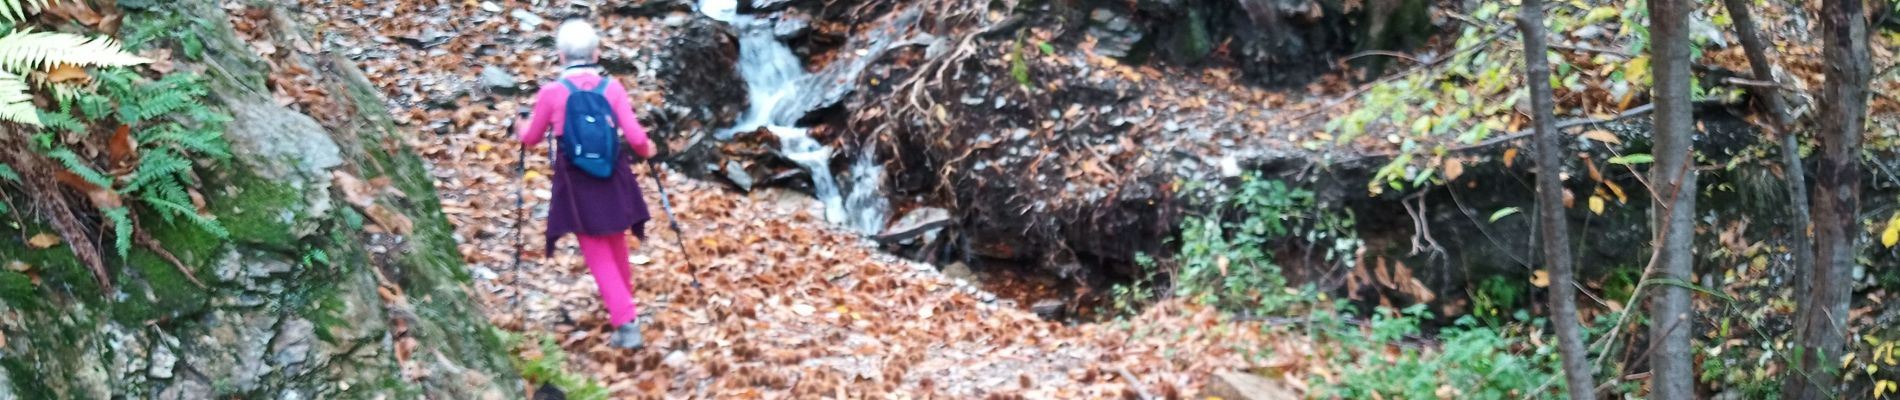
pixel 1115 34
pixel 1244 386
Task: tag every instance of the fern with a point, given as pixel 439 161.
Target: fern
pixel 15 10
pixel 202 142
pixel 208 224
pixel 78 167
pixel 62 121
pixel 28 50
pixel 158 166
pixel 6 172
pixel 121 218
pixel 15 103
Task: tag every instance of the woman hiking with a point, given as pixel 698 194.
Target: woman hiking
pixel 595 197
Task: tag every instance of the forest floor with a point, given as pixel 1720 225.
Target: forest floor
pixel 790 306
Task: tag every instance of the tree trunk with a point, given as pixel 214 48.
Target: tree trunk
pixel 1674 180
pixel 1820 327
pixel 1553 229
pixel 1782 123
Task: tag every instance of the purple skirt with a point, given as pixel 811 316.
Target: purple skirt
pixel 585 205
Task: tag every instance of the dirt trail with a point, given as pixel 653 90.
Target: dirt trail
pixel 790 306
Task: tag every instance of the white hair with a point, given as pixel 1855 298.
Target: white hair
pixel 577 41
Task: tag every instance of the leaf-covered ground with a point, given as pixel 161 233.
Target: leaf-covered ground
pixel 789 307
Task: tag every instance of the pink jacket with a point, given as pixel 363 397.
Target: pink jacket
pixel 551 105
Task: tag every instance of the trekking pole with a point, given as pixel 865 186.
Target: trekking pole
pixel 521 171
pixel 666 204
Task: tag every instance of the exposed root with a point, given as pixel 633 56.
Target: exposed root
pixel 148 242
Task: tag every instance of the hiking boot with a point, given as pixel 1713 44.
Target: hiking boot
pixel 628 336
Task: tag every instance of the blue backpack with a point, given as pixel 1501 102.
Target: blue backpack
pixel 590 140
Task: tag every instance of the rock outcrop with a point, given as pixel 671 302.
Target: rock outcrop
pixel 312 297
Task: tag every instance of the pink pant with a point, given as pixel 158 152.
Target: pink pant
pixel 606 256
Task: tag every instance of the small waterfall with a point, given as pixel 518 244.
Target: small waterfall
pixel 869 209
pixel 773 75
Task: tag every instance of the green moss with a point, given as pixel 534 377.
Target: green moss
pixel 25 382
pixel 256 210
pixel 16 290
pixel 57 266
pixel 156 290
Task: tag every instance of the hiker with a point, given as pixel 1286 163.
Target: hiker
pixel 596 196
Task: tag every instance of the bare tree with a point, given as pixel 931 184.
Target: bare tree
pixel 1782 123
pixel 1553 229
pixel 1820 325
pixel 1673 178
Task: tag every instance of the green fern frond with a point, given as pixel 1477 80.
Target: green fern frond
pixel 27 50
pixel 79 167
pixel 208 224
pixel 158 167
pixel 121 218
pixel 94 107
pixel 6 172
pixel 61 122
pixel 16 104
pixel 208 143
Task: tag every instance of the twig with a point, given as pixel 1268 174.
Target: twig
pixel 1135 384
pixel 1589 49
pixel 1562 125
pixel 1739 81
pixel 1369 53
pixel 1453 189
pixel 146 240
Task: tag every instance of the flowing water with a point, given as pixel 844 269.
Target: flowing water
pixel 774 75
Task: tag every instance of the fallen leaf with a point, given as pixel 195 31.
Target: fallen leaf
pixel 121 149
pixel 1454 168
pixel 804 310
pixel 67 73
pixel 1602 136
pixel 354 190
pixel 1596 204
pixel 1540 278
pixel 102 198
pixel 43 240
pixel 1510 155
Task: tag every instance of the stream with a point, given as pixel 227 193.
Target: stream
pixel 774 75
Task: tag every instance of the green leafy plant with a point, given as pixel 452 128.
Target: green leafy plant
pixel 1472 361
pixel 165 128
pixel 545 363
pixel 1226 257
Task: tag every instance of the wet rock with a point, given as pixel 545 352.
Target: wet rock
pixel 187 389
pixel 959 271
pixel 700 68
pixel 1115 35
pixel 529 21
pixel 291 347
pixel 654 8
pixel 918 222
pixel 736 173
pixel 791 27
pixel 1048 308
pixel 1244 386
pixel 498 80
pixel 163 359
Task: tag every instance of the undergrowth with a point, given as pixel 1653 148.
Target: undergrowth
pixel 541 361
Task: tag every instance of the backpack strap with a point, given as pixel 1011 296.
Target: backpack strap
pixel 601 89
pixel 570 85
